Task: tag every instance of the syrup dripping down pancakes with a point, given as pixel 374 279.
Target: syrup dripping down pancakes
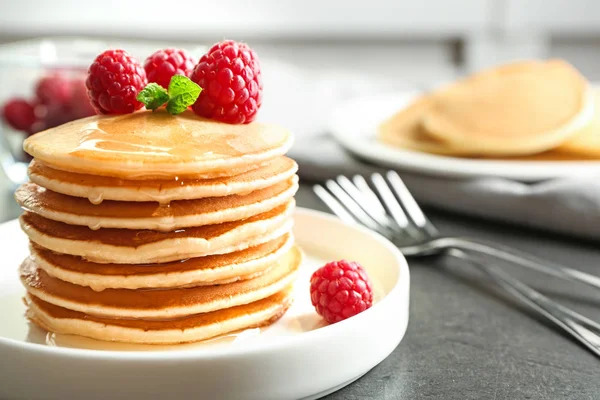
pixel 153 228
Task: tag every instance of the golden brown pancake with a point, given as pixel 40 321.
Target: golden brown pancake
pixel 148 145
pixel 207 270
pixel 404 130
pixel 517 109
pixel 159 303
pixel 187 329
pixel 127 246
pixel 586 141
pixel 154 228
pixel 150 215
pixel 554 155
pixel 99 188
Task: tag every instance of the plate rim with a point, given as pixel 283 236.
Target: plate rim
pixel 411 160
pixel 323 333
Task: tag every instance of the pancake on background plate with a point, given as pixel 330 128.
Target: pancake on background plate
pixel 517 109
pixel 404 130
pixel 155 228
pixel 586 141
pixel 526 110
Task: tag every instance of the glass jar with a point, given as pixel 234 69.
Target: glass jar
pixel 47 76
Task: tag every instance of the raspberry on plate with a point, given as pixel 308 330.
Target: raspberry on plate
pixel 163 64
pixel 340 289
pixel 113 82
pixel 19 114
pixel 230 77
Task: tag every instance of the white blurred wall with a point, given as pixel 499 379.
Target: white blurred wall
pixel 418 39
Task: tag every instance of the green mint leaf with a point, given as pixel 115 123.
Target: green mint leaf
pixel 153 96
pixel 182 94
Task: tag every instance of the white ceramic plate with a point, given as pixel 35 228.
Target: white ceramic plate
pixel 354 125
pixel 297 357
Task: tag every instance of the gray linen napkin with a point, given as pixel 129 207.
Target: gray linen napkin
pixel 568 206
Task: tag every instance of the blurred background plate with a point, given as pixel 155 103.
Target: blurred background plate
pixel 354 125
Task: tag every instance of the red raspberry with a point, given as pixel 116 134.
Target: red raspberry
pixel 19 114
pixel 54 89
pixel 230 77
pixel 339 290
pixel 113 82
pixel 163 64
pixel 51 115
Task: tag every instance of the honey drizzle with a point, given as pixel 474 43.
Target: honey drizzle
pixel 157 135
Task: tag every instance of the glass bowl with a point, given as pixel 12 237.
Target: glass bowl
pixel 31 69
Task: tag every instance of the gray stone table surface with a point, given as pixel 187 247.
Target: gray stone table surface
pixel 465 340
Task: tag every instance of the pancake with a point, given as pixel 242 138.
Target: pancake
pixel 150 215
pixel 554 155
pixel 147 145
pixel 517 109
pixel 159 303
pixel 99 188
pixel 404 130
pixel 126 246
pixel 215 269
pixel 187 329
pixel 586 141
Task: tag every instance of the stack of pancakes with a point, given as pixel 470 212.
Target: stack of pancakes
pixel 529 109
pixel 153 228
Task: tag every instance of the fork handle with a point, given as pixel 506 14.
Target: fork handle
pixel 582 329
pixel 513 256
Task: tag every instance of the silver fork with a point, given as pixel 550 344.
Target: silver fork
pixel 417 236
pixel 402 221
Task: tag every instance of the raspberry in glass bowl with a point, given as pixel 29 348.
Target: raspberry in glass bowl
pixel 42 85
pixel 52 97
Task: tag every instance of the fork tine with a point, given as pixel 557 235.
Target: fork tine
pixel 390 201
pixel 364 201
pixel 351 205
pixel 409 203
pixel 333 204
pixel 365 189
